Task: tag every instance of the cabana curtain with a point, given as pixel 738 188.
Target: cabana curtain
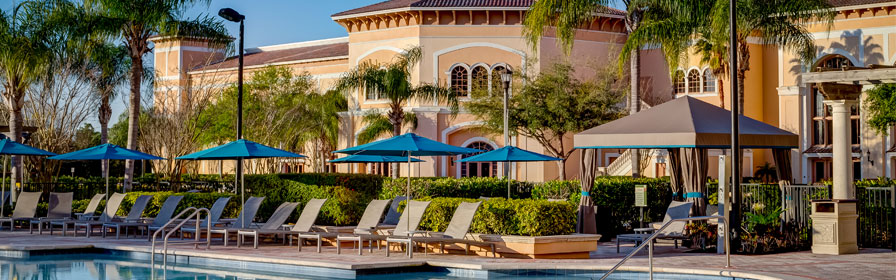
pixel 694 169
pixel 675 173
pixel 586 221
pixel 782 164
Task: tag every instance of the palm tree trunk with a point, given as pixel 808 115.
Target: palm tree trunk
pixel 635 104
pixel 721 91
pixel 133 116
pixel 396 117
pixel 742 66
pixel 15 131
pixel 105 114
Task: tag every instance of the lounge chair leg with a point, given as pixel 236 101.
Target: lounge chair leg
pixel 387 248
pixel 256 241
pixel 360 247
pixel 494 252
pixel 226 238
pixel 442 247
pixel 318 244
pixel 338 246
pixel 300 242
pixel 676 243
pixel 370 245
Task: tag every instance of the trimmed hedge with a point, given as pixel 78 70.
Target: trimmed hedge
pixel 190 199
pixel 528 217
pixel 467 187
pixel 344 205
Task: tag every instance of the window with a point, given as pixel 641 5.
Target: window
pixel 822 121
pixel 478 169
pixel 679 84
pixel 693 81
pixel 709 81
pixel 372 94
pixel 497 83
pixel 479 77
pixel 459 82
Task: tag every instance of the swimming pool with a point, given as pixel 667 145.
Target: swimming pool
pixel 122 265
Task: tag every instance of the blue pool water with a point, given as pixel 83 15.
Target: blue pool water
pixel 104 266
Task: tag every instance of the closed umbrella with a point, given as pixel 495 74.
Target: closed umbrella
pixel 9 147
pixel 239 150
pixel 509 154
pixel 407 145
pixel 106 152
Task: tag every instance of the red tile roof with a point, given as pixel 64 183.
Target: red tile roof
pixel 397 4
pixel 282 55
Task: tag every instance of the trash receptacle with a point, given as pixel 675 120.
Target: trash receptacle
pixel 834 226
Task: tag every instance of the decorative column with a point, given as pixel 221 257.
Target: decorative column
pixel 841 98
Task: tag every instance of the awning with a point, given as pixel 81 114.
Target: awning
pixel 683 123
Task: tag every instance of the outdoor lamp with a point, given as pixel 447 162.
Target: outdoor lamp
pixel 507 76
pixel 231 15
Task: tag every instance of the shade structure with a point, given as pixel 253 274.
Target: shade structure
pixel 509 154
pixel 407 145
pixel 106 152
pixel 365 158
pixel 239 150
pixel 683 123
pixel 9 147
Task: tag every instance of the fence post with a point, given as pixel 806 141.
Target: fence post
pixel 830 191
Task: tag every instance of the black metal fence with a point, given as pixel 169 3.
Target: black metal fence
pixel 877 221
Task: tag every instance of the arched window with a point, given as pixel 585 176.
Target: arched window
pixel 678 82
pixel 833 61
pixel 693 81
pixel 459 81
pixel 497 84
pixel 478 169
pixel 479 76
pixel 709 81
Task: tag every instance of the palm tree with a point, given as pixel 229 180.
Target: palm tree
pixel 135 21
pixel 674 24
pixel 567 16
pixel 107 68
pixel 392 81
pixel 714 55
pixel 25 55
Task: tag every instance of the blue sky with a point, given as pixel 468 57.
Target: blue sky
pixel 269 22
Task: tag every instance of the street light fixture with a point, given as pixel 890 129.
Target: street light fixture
pixel 234 16
pixel 506 77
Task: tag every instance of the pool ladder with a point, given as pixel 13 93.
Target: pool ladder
pixel 649 243
pixel 191 212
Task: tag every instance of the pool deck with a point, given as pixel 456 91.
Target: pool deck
pixel 868 264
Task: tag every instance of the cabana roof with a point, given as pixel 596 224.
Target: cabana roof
pixel 683 123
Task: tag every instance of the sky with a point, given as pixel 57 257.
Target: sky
pixel 268 22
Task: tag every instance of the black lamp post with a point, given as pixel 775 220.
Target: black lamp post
pixel 234 16
pixel 734 221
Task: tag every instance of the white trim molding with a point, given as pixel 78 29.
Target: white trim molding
pixel 443 137
pixel 829 51
pixel 376 49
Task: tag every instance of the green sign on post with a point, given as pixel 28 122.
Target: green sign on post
pixel 640 195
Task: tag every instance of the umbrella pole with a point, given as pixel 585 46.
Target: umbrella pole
pixel 239 173
pixel 507 177
pixel 408 207
pixel 3 189
pixel 106 209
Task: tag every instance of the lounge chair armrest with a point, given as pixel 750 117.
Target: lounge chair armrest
pixel 645 230
pixel 364 230
pixel 417 232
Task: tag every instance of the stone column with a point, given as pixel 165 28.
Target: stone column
pixel 842 148
pixel 841 97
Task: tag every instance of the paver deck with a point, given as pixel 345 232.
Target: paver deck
pixel 868 264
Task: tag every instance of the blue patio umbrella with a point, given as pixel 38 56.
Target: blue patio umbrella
pixel 239 150
pixel 509 154
pixel 106 152
pixel 365 158
pixel 9 147
pixel 407 145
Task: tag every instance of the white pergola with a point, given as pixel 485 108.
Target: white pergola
pixel 842 88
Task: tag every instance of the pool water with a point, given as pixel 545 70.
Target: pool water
pixel 111 267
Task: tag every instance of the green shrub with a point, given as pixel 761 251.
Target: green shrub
pixel 344 206
pixel 527 217
pixel 615 201
pixel 364 183
pixel 200 200
pixel 468 187
pixel 568 190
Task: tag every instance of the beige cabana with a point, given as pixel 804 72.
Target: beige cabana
pixel 687 127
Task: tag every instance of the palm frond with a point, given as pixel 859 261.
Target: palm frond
pixel 377 125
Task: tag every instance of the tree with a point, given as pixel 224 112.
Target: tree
pixel 323 112
pixel 553 105
pixel 25 55
pixel 135 21
pixel 568 16
pixel 392 81
pixel 675 24
pixel 107 68
pixel 880 104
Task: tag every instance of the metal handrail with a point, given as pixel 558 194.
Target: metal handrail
pixel 194 212
pixel 649 243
